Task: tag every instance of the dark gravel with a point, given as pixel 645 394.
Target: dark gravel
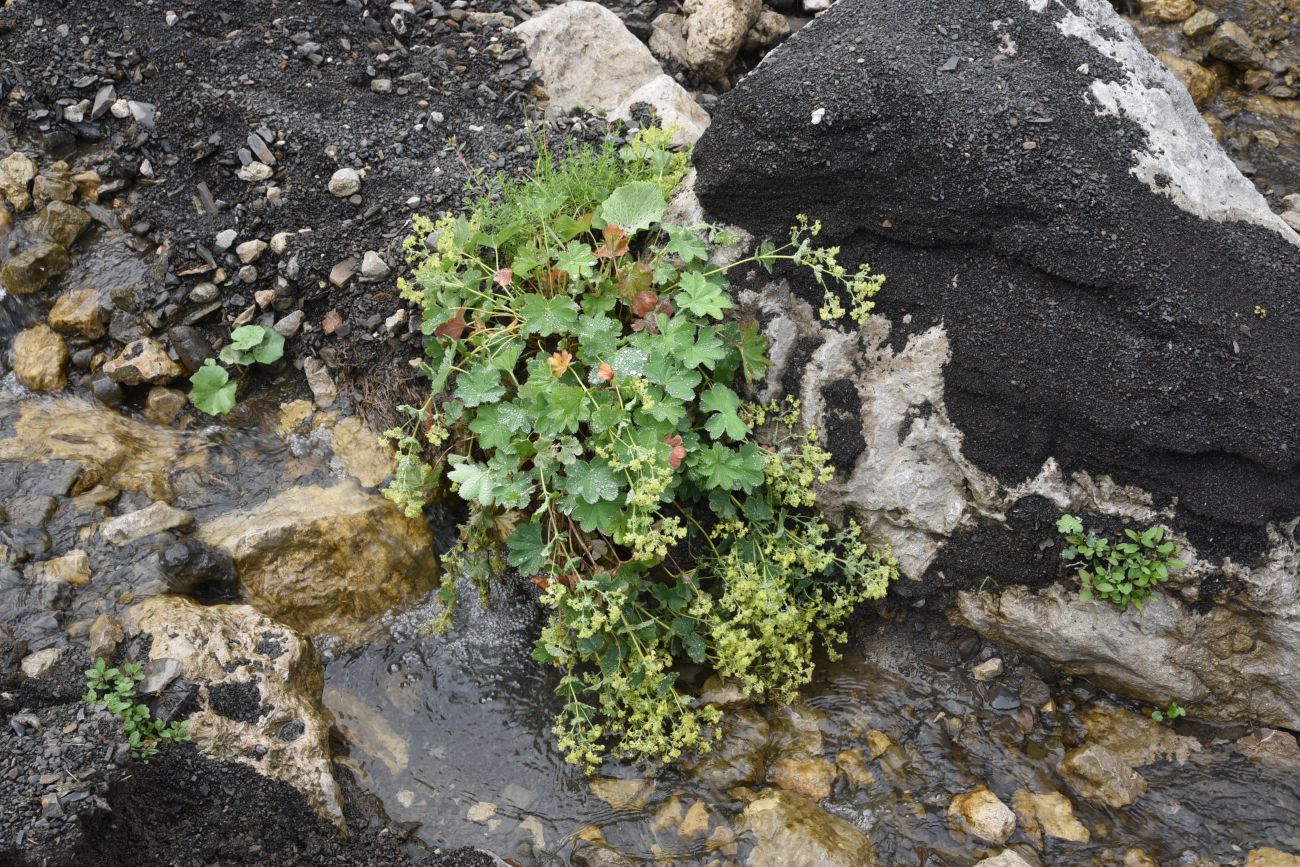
pixel 303 83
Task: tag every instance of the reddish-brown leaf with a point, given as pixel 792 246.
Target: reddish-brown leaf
pixel 554 280
pixel 644 303
pixel 678 453
pixel 636 279
pixel 504 277
pixel 331 322
pixel 605 372
pixel 615 243
pixel 453 327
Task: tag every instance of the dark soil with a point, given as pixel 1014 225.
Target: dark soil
pixel 1090 318
pixel 70 794
pixel 299 73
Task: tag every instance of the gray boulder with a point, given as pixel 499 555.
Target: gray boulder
pixel 1088 309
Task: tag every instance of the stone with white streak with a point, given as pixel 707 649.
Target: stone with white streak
pixel 233 646
pixel 587 57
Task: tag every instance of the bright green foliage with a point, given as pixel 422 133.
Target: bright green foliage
pixel 1173 712
pixel 253 343
pixel 586 398
pixel 211 389
pixel 114 689
pixel 1122 572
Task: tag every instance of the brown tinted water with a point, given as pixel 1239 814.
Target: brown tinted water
pixel 452 734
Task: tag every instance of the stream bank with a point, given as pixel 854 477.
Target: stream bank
pixel 447 738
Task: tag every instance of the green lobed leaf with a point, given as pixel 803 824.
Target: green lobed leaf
pixel 475 481
pixel 634 206
pixel 546 316
pixel 592 481
pixel 526 550
pixel 271 349
pixel 479 385
pixel 724 406
pixel 701 297
pixel 212 391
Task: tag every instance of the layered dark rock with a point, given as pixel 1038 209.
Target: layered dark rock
pixel 1115 294
pixel 1088 309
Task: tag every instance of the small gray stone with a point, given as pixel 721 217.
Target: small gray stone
pixel 143 112
pixel 373 266
pixel 381 85
pixel 225 239
pixel 289 325
pixel 249 251
pixel 345 182
pixel 104 99
pixel 40 663
pixel 255 172
pixel 204 292
pixel 321 384
pixel 259 148
pixel 157 674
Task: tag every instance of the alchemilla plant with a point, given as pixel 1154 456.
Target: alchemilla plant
pixel 587 385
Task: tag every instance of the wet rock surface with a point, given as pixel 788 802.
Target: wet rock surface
pixel 791 830
pixel 296 556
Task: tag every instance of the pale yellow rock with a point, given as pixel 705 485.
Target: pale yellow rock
pixel 235 645
pixel 129 454
pixel 481 812
pixel 292 415
pixel 696 822
pixel 1167 11
pixel 365 728
pixel 77 312
pixel 17 171
pixel 1050 814
pixel 162 405
pixel 981 814
pixel 48 189
pixel 103 637
pixel 143 361
pixel 811 778
pixel 72 568
pixel 623 794
pixel 1005 858
pixel 853 764
pixel 60 222
pixel 154 518
pixel 41 359
pixel 363 456
pixel 88 184
pixel 1271 858
pixel 1138 858
pixel 790 831
pixel 877 743
pixel 1201 83
pixel 326 560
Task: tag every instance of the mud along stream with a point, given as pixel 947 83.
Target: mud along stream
pixel 451 733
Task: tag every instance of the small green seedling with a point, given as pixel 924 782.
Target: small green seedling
pixel 114 689
pixel 253 343
pixel 212 390
pixel 1121 572
pixel 1171 713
